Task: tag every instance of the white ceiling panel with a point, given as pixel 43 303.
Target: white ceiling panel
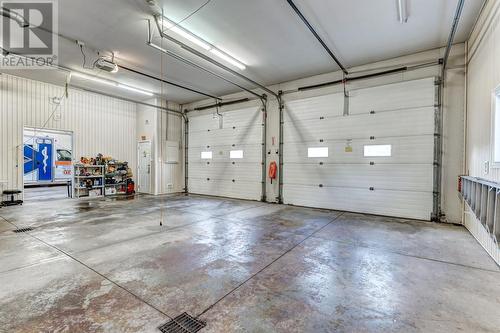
pixel 267 36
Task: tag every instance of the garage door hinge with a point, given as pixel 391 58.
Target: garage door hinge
pixel 437 105
pixel 436 164
pixel 438 82
pixel 372 188
pixel 372 112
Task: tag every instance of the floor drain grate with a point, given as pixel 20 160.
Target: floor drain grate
pixel 18 230
pixel 183 323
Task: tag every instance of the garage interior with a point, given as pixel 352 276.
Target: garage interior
pixel 250 166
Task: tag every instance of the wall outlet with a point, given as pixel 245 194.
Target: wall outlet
pixel 486 167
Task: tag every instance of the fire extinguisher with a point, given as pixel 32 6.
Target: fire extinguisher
pixel 273 169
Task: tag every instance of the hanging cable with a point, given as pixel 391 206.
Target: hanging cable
pixel 188 16
pixel 162 93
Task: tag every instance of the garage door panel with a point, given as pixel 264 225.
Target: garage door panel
pixel 314 107
pixel 385 124
pixel 416 205
pixel 403 95
pixel 405 150
pixel 395 177
pixel 228 189
pixel 242 135
pixel 400 184
pixel 221 175
pixel 203 123
pixel 247 172
pixel 241 117
pixel 222 154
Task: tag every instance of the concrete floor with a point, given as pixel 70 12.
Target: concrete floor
pixel 47 193
pixel 108 266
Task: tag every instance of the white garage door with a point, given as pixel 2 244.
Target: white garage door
pixel 378 159
pixel 225 154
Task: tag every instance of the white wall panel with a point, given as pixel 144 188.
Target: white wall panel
pixel 483 76
pixel 99 124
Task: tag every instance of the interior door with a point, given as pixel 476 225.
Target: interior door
pixel 144 167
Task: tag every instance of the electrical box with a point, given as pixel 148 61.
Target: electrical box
pixel 171 152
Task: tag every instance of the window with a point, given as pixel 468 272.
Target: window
pixel 496 128
pixel 378 151
pixel 317 152
pixel 236 154
pixel 206 155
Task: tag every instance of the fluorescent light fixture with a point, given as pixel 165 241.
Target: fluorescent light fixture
pixel 140 91
pixel 170 25
pixel 228 58
pixel 402 11
pixel 191 38
pixel 317 152
pixel 111 83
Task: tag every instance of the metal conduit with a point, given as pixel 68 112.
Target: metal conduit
pixel 310 27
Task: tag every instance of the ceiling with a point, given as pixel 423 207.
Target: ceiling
pixel 267 36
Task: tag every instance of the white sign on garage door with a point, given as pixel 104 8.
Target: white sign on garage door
pixel 225 154
pixel 378 159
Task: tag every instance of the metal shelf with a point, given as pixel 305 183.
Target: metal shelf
pixel 483 197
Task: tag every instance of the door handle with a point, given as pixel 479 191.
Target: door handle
pixel 149 168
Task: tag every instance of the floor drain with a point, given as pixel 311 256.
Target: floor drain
pixel 183 323
pixel 18 230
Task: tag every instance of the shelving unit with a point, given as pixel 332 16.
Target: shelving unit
pixel 88 181
pixel 116 182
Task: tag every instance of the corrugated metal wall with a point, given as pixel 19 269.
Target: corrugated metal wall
pixel 100 124
pixel 483 76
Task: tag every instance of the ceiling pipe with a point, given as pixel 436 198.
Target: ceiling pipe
pixel 327 49
pixel 23 23
pixel 456 20
pixel 212 61
pixel 402 11
pixel 193 64
pixel 167 82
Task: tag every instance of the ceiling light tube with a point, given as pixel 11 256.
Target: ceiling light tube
pixel 172 26
pixel 228 58
pixel 140 91
pixel 402 11
pixel 111 83
pixel 191 38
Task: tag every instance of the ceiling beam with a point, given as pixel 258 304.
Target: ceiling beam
pixel 327 49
